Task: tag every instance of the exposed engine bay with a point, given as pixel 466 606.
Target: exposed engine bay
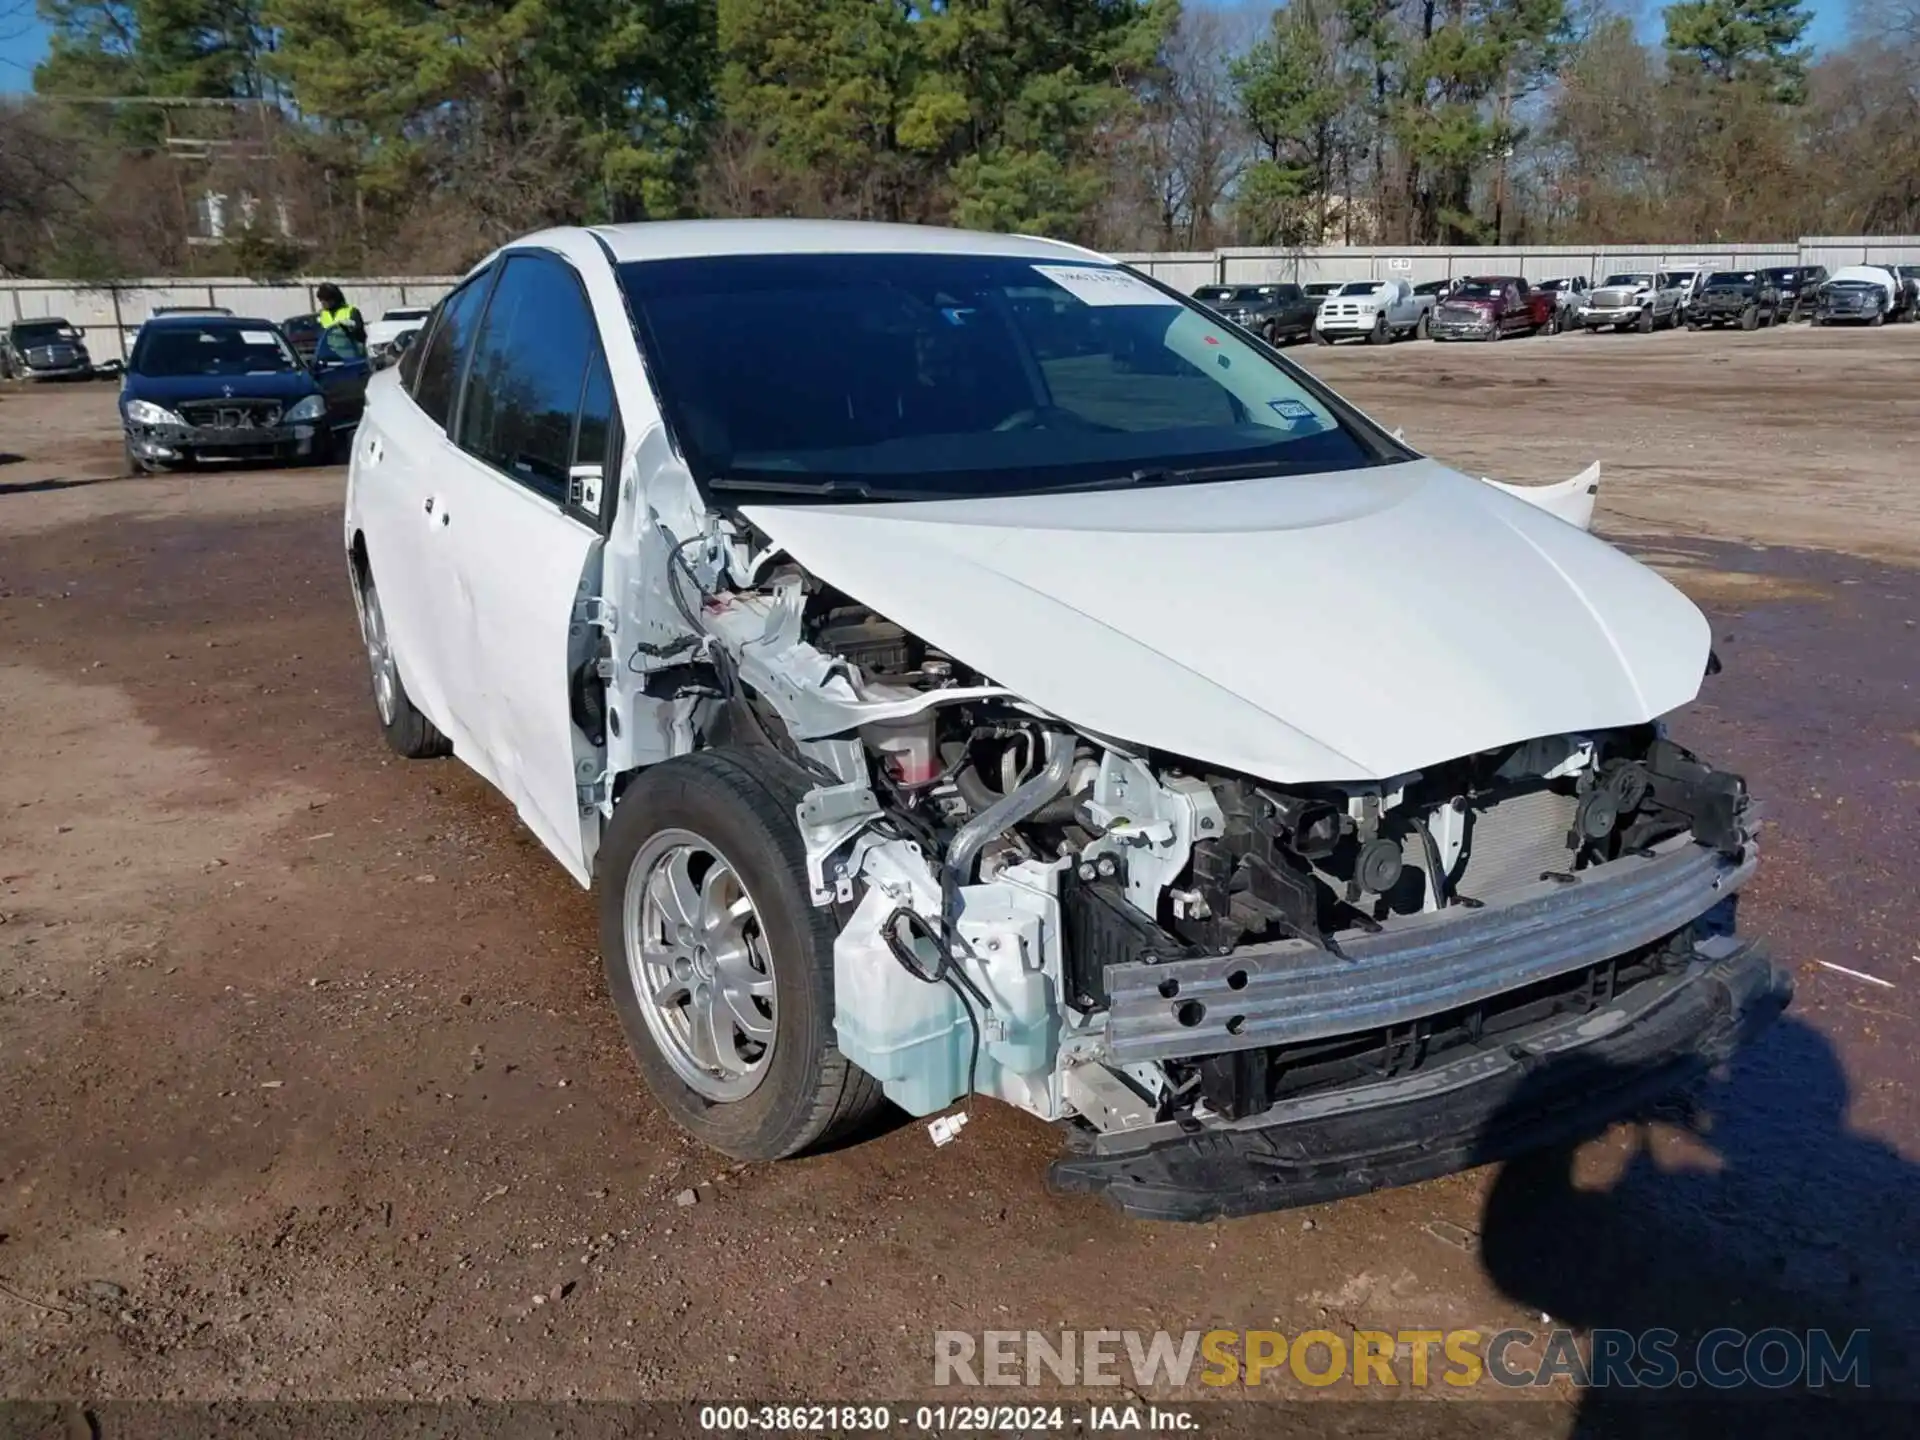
pixel 1131 941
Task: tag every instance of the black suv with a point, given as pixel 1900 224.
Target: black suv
pixel 1747 298
pixel 1797 284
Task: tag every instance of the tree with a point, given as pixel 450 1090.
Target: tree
pixel 1293 94
pixel 1742 42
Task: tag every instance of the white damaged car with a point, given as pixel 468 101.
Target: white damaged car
pixel 963 666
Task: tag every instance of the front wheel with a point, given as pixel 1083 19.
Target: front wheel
pixel 1380 334
pixel 1645 323
pixel 719 965
pixel 1320 337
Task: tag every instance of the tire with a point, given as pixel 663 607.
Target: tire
pixel 1750 318
pixel 1423 330
pixel 1381 334
pixel 727 816
pixel 1320 337
pixel 135 465
pixel 408 733
pixel 1552 326
pixel 1879 319
pixel 1645 323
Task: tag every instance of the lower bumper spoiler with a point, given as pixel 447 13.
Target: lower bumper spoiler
pixel 1564 1081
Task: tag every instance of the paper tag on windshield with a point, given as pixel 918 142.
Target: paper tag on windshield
pixel 257 337
pixel 1098 285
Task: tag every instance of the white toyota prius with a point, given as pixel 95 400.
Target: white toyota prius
pixel 963 666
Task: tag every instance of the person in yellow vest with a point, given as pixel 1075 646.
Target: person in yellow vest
pixel 343 334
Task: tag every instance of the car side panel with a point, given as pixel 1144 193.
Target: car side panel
pixel 394 484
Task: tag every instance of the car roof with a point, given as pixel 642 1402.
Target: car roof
pixel 40 320
pixel 181 322
pixel 682 239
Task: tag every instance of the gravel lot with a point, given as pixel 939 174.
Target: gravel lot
pixel 311 1089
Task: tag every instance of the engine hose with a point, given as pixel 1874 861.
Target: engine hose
pixel 982 797
pixel 1009 810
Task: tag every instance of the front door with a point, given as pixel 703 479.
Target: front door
pixel 524 555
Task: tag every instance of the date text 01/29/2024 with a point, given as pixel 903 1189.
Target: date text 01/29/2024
pixel 941 1419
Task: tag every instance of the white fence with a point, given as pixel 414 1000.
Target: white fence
pixel 108 314
pixel 1185 271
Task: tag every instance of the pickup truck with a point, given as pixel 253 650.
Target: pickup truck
pixel 1378 311
pixel 1276 313
pixel 1747 298
pixel 1644 300
pixel 1491 307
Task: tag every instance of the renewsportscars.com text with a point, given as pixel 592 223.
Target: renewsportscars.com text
pixel 1722 1359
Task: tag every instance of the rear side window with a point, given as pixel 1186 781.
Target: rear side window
pixel 446 351
pixel 529 368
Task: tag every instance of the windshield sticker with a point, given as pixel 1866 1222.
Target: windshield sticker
pixel 257 337
pixel 1292 411
pixel 1097 285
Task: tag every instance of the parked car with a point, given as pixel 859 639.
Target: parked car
pixel 1687 279
pixel 1746 298
pixel 1490 307
pixel 48 349
pixel 1798 285
pixel 1569 293
pixel 303 333
pixel 391 325
pixel 1277 313
pixel 660 526
pixel 1379 311
pixel 1634 299
pixel 220 388
pixel 1909 278
pixel 1858 295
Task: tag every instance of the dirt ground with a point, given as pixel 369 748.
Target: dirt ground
pixel 309 1088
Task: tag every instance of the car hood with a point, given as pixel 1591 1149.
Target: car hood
pixel 1347 626
pixel 171 390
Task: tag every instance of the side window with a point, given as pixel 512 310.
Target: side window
pixel 446 350
pixel 529 369
pixel 596 413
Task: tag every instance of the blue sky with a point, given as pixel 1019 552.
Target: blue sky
pixel 23 40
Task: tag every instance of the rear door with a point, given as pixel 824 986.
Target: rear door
pixel 399 477
pixel 535 418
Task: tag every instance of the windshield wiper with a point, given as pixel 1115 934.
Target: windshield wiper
pixel 1166 475
pixel 816 489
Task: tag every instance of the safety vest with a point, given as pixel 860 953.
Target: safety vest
pixel 330 318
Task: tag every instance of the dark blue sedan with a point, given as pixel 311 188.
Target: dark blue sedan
pixel 220 388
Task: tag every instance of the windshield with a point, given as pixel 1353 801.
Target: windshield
pixel 44 332
pixel 1730 277
pixel 1553 285
pixel 404 315
pixel 1635 280
pixel 917 375
pixel 1480 290
pixel 1358 287
pixel 211 350
pixel 1213 292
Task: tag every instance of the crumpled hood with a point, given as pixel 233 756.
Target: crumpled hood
pixel 1346 626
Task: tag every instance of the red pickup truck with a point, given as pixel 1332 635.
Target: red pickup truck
pixel 1490 307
